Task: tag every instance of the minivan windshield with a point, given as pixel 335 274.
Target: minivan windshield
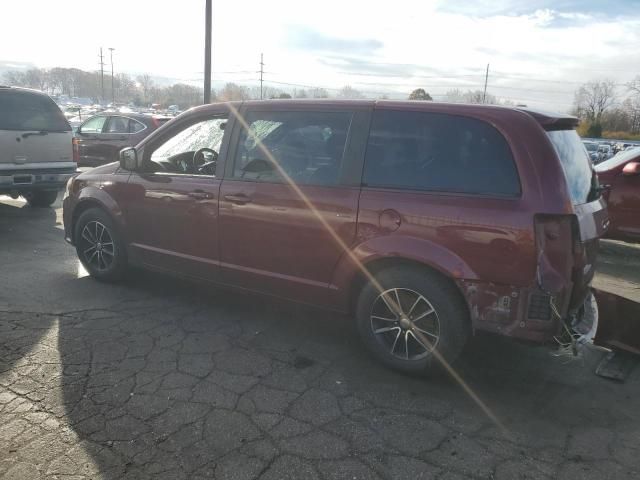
pixel 575 163
pixel 28 111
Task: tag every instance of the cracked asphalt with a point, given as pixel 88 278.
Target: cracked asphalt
pixel 164 379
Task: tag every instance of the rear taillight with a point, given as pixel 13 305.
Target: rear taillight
pixel 76 149
pixel 555 251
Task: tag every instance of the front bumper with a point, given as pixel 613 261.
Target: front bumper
pixel 68 205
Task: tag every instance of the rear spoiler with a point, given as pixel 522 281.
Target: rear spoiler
pixel 551 120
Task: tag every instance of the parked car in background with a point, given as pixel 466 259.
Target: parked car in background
pixel 592 150
pixel 425 221
pixel 605 152
pixel 99 139
pixel 622 174
pixel 36 155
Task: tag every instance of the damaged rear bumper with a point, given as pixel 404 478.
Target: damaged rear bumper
pixel 601 318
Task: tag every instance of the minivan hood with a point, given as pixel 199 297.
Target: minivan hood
pixel 108 169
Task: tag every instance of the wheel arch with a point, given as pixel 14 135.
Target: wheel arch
pixel 383 252
pixel 376 265
pixel 97 199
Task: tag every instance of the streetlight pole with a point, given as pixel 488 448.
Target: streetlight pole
pixel 101 76
pixel 207 52
pixel 113 91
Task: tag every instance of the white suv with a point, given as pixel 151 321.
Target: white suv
pixel 36 146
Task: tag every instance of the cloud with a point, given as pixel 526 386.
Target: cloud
pixel 308 39
pixel 489 8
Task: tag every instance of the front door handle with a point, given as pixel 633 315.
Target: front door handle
pixel 200 195
pixel 238 199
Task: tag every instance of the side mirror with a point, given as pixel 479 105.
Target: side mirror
pixel 129 158
pixel 631 169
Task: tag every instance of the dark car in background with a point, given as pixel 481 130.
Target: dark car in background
pixel 99 139
pixel 622 175
pixel 424 221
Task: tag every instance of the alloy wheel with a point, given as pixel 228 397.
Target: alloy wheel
pixel 405 323
pixel 97 246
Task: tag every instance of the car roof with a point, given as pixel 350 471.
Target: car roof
pixel 22 90
pixel 548 120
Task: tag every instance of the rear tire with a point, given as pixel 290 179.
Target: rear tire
pixel 41 198
pixel 99 246
pixel 405 340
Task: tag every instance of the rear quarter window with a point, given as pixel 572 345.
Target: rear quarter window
pixel 575 163
pixel 22 111
pixel 439 153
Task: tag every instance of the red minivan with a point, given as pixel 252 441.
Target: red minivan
pixel 424 221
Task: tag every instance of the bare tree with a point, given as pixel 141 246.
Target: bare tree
pixel 319 93
pixel 146 85
pixel 14 78
pixel 470 96
pixel 349 92
pixel 593 98
pixel 232 91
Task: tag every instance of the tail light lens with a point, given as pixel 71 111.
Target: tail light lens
pixel 555 251
pixel 76 149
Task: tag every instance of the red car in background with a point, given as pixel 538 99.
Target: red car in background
pixel 622 174
pixel 100 138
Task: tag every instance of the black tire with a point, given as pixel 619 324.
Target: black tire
pixel 450 322
pixel 107 260
pixel 41 198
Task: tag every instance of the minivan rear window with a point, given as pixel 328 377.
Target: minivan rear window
pixel 439 153
pixel 575 163
pixel 22 111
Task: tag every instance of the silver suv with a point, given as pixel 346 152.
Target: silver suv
pixel 36 149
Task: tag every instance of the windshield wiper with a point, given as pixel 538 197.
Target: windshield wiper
pixel 29 134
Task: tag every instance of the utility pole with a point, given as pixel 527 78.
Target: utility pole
pixel 207 52
pixel 486 78
pixel 113 91
pixel 101 75
pixel 261 72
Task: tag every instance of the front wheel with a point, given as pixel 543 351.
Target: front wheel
pixel 99 246
pixel 41 198
pixel 411 319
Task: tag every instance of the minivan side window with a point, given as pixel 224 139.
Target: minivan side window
pixel 438 153
pixel 307 146
pixel 193 150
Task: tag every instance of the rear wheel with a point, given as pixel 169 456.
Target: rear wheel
pixel 99 245
pixel 41 198
pixel 413 314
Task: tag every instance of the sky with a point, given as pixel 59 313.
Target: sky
pixel 539 51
